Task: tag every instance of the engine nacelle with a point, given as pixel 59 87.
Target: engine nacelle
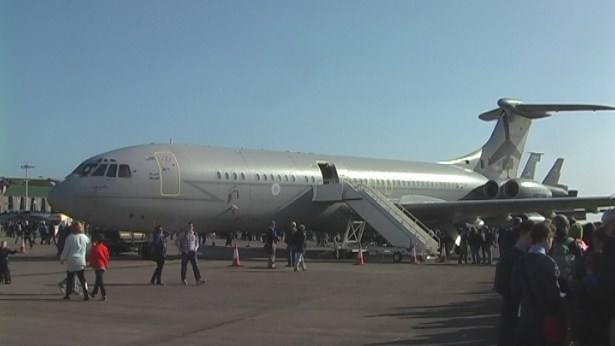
pixel 491 189
pixel 524 188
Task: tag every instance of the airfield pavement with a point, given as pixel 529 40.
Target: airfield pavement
pixel 333 303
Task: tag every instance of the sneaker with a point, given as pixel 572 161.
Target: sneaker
pixel 103 298
pixel 92 296
pixel 200 282
pixel 160 283
pixel 66 298
pixel 184 282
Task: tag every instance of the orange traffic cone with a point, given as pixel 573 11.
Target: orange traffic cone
pixel 360 261
pixel 235 258
pixel 22 247
pixel 442 257
pixel 413 258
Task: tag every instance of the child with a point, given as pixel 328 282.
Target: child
pixel 5 271
pixel 99 260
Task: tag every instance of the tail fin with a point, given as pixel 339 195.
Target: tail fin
pixel 530 167
pixel 499 158
pixel 552 177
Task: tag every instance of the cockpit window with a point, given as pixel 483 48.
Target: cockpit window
pixel 100 171
pixel 112 171
pixel 86 169
pixel 124 171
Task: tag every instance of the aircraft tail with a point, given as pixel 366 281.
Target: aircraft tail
pixel 499 157
pixel 552 177
pixel 530 167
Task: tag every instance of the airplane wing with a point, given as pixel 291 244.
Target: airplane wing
pixel 466 209
pixel 534 111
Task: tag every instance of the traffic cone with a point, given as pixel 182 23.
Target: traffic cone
pixel 22 247
pixel 414 259
pixel 235 258
pixel 442 257
pixel 360 261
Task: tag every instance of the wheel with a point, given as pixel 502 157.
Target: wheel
pixel 397 257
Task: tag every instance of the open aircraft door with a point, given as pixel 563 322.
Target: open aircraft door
pixel 329 173
pixel 170 182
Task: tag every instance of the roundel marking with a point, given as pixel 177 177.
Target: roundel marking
pixel 275 189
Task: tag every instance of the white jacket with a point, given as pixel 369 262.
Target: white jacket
pixel 76 248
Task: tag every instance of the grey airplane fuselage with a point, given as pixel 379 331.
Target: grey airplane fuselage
pixel 239 190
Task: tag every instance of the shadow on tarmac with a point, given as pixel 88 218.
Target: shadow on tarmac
pixel 463 323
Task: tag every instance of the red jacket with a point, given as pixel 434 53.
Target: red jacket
pixel 99 256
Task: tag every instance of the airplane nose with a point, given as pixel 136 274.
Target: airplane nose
pixel 59 198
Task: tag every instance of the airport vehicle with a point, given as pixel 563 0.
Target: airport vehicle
pixel 224 190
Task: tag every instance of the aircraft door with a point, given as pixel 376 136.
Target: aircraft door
pixel 329 173
pixel 169 173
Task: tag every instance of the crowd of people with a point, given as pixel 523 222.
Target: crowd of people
pixel 557 283
pixel 556 278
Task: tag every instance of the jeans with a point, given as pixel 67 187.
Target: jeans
pixel 157 276
pixel 190 256
pixel 99 283
pixel 298 259
pixel 70 282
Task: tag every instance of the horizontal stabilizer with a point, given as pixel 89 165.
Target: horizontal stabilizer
pixel 535 111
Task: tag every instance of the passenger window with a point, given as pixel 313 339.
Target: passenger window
pixel 100 171
pixel 124 171
pixel 112 172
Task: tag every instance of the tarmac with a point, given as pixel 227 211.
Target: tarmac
pixel 334 302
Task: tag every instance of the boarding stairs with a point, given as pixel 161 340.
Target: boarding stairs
pixel 397 226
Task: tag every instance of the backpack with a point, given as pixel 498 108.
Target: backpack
pixel 565 254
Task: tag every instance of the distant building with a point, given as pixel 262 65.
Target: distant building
pixel 13 194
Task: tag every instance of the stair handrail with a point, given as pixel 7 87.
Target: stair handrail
pixel 385 202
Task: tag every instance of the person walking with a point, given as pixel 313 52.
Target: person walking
pixel 76 246
pixel 290 245
pixel 188 245
pixel 99 260
pixel 300 245
pixel 271 239
pixel 159 254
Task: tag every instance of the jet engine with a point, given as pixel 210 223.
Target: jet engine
pixel 491 189
pixel 524 188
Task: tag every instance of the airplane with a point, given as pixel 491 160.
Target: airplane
pixel 530 167
pixel 227 189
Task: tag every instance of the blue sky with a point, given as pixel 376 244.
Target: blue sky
pixel 393 79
